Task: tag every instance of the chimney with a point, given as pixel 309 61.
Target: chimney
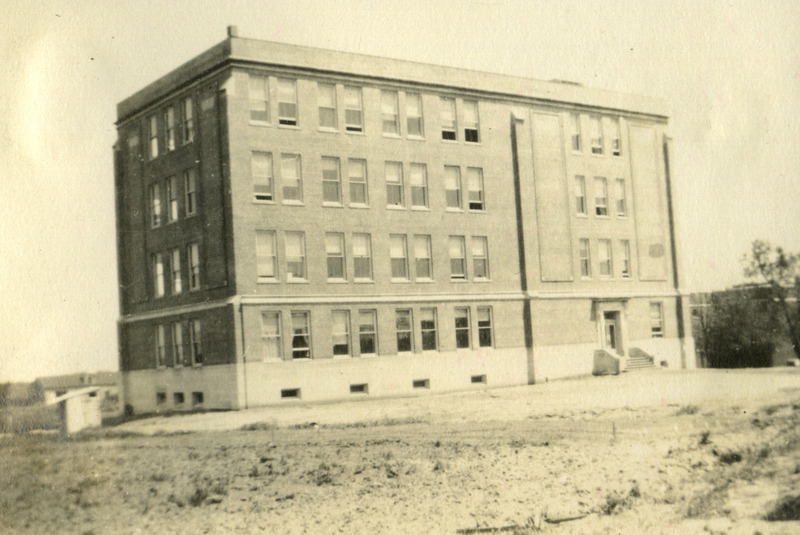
pixel 233 31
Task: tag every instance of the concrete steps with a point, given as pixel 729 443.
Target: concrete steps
pixel 639 360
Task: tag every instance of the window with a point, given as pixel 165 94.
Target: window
pixel 470 121
pixel 193 253
pixel 398 255
pixel 475 188
pixel 291 178
pixel 394 183
pixel 194 343
pixel 458 261
pixel 334 249
pixel 428 327
pixel 175 266
pixel 161 347
pixel 190 191
pixel 600 196
pixel 596 135
pixel 266 255
pixel 419 186
pixel 301 336
pixel 452 186
pixel 462 328
pixel 580 195
pixel 389 115
pixel 326 100
pixel 362 257
pixel 155 205
pixel 575 132
pixel 178 398
pixel 177 344
pixel 414 126
pixel 625 245
pixel 357 174
pixel 169 128
pixel 422 257
pixel 153 136
pixel 485 327
pixel 616 142
pixel 367 332
pixel 172 199
pixel 480 257
pixel 405 335
pixel 295 256
pixel 158 275
pixel 621 200
pixel 188 120
pixel 340 332
pixel 353 117
pixel 287 102
pixel 585 259
pixel 604 257
pixel 656 320
pixel 261 170
pixel 259 98
pixel 271 335
pixel 331 181
pixel 448 118
pixel 197 398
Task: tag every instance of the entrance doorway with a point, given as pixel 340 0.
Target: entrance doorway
pixel 612 336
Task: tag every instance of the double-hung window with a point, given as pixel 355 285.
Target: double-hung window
pixel 153 136
pixel 616 142
pixel 161 347
pixel 604 258
pixel 622 205
pixel 175 268
pixel 462 328
pixel 656 320
pixel 177 344
pixel 188 120
pixel 447 117
pixel 475 189
pixel 625 247
pixel 259 98
pixel 271 335
pixel 155 205
pixel 195 348
pixel 419 185
pixel 480 258
pixel 600 196
pixel 169 128
pixel 389 114
pixel 452 186
pixel 190 191
pixel 261 170
pixel 362 257
pixel 158 275
pixel 422 257
pixel 301 336
pixel 193 256
pixel 287 102
pixel 580 195
pixel 458 261
pixel 404 330
pixel 340 332
pixel 334 250
pixel 326 100
pixel 596 135
pixel 353 114
pixel 575 131
pixel 394 183
pixel 398 254
pixel 427 322
pixel 172 199
pixel 471 123
pixel 357 175
pixel 291 178
pixel 485 326
pixel 414 126
pixel 331 181
pixel 367 332
pixel 295 256
pixel 266 255
pixel 584 258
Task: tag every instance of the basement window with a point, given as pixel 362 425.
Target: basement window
pixel 362 388
pixel 161 398
pixel 197 398
pixel 178 398
pixel 290 393
pixel 478 379
pixel 422 383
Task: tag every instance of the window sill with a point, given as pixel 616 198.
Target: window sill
pixel 328 130
pixel 329 204
pixel 424 281
pixel 296 281
pixel 259 123
pixel 400 281
pixel 474 143
pixel 451 141
pixel 267 280
pixel 416 138
pixel 337 281
pixel 454 210
pixel 293 203
pixel 364 281
pixel 355 132
pixel 368 355
pixel 459 281
pixel 343 357
pixel 359 206
pixel 471 211
pixel 395 207
pixel 391 136
pixel 289 126
pixel 602 216
pixel 481 280
pixel 623 216
pixel 420 209
pixel 582 216
pixel 263 201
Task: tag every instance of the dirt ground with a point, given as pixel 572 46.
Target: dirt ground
pixel 649 452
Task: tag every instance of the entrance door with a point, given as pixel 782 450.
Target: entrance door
pixel 613 341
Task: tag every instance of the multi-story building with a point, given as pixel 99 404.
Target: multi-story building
pixel 302 223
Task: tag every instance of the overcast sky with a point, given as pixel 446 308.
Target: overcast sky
pixel 730 72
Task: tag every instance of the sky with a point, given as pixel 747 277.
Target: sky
pixel 730 72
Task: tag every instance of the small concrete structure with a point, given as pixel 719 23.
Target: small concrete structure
pixel 80 409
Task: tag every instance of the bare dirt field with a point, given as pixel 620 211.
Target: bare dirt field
pixel 650 452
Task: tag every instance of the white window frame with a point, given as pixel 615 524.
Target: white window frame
pixel 447 116
pixel 575 132
pixel 288 112
pixel 331 181
pixel 291 178
pixel 461 313
pixel 415 127
pixel 456 250
pixel 271 335
pixel 170 139
pixel 195 345
pixel 176 279
pixel 428 324
pixel 585 258
pixel 353 105
pixel 357 178
pixel 161 346
pixel 418 177
pixel 656 319
pixel 299 258
pixel 621 198
pixel 485 325
pixel 398 244
pixel 340 332
pixel 390 114
pixel 326 103
pixel 362 256
pixel 480 257
pixel 301 351
pixel 581 206
pixel 153 130
pixel 371 331
pixel 178 356
pixel 335 257
pixel 625 246
pixel 266 255
pixel 616 141
pixel 471 121
pixel 401 313
pixel 190 191
pixel 173 201
pixel 452 186
pixel 155 205
pixel 596 135
pixel 393 172
pixel 423 259
pixel 605 259
pixel 475 193
pixel 258 95
pixel 193 260
pixel 159 286
pixel 600 196
pixel 187 113
pixel 262 176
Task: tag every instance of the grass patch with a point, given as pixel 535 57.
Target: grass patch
pixel 687 409
pixel 787 508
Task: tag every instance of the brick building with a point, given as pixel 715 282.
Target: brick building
pixel 303 223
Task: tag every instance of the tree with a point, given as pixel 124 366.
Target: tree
pixel 781 271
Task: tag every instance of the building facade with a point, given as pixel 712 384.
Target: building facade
pixel 301 223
